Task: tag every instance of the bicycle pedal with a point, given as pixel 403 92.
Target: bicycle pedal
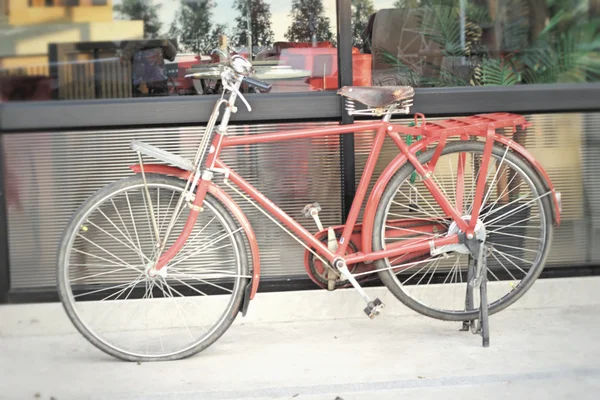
pixel 309 209
pixel 312 210
pixel 374 308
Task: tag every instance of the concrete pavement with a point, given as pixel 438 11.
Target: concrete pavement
pixel 316 345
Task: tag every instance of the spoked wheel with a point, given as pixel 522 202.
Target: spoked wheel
pixel 113 300
pixel 516 214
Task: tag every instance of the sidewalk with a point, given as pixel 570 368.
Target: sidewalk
pixel 317 345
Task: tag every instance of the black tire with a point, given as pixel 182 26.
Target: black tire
pixel 404 173
pixel 80 217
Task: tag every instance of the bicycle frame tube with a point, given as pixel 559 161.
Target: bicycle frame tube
pixel 310 240
pixel 382 128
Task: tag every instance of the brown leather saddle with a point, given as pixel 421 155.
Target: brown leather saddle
pixel 377 96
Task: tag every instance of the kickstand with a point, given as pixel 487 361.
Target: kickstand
pixel 477 279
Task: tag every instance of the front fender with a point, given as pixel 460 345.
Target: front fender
pixel 400 160
pixel 227 201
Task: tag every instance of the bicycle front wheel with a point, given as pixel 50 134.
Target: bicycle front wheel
pixel 516 214
pixel 110 297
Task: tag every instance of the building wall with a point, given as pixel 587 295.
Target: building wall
pixel 33 28
pixel 20 13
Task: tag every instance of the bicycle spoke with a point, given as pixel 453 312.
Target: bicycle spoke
pixel 521 207
pixel 514 225
pixel 426 201
pixel 417 218
pixel 138 251
pixel 210 237
pixel 219 239
pixel 450 272
pixel 459 189
pixel 413 231
pixel 205 267
pixel 518 236
pixel 208 275
pixel 124 225
pixel 178 307
pixel 410 277
pixel 149 219
pixel 166 213
pixel 440 186
pixel 453 183
pixel 189 286
pixel 101 290
pixel 434 217
pixel 512 256
pixel 158 208
pixel 193 239
pixel 489 191
pixel 503 266
pixel 200 280
pixel 495 211
pixel 516 248
pixel 473 186
pixel 106 251
pixel 502 194
pixel 494 275
pixel 109 310
pixel 137 238
pixel 98 274
pixel 513 263
pixel 107 260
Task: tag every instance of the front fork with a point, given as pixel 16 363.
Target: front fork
pixel 199 179
pixel 195 209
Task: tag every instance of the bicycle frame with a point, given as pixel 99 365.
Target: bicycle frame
pixel 382 129
pixel 484 125
pixel 480 125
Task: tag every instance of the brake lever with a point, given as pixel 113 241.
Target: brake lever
pixel 241 96
pixel 227 85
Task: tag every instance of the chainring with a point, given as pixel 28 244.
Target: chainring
pixel 321 275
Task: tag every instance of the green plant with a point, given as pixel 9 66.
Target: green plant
pixel 565 50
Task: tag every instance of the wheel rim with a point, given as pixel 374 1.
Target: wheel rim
pixel 124 309
pixel 514 218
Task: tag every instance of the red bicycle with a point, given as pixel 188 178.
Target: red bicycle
pixel 158 265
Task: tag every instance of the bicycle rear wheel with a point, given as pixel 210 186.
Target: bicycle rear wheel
pixel 108 294
pixel 517 215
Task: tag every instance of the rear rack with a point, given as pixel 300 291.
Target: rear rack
pixel 466 125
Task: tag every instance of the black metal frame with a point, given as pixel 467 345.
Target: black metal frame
pixel 4 259
pixel 284 107
pixel 347 159
pixel 86 114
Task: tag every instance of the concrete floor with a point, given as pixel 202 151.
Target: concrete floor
pixel 545 347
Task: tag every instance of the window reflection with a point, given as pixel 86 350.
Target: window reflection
pixel 90 49
pixel 432 43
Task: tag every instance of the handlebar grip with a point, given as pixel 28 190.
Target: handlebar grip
pixel 258 84
pixel 193 76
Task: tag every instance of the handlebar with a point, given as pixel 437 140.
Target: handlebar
pixel 258 84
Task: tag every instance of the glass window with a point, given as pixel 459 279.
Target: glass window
pixel 433 43
pixel 92 49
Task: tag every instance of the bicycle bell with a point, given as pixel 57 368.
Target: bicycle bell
pixel 241 66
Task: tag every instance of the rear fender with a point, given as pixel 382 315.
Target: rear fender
pixel 228 202
pixel 400 160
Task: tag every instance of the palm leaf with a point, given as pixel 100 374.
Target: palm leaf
pixel 406 74
pixel 441 24
pixel 498 72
